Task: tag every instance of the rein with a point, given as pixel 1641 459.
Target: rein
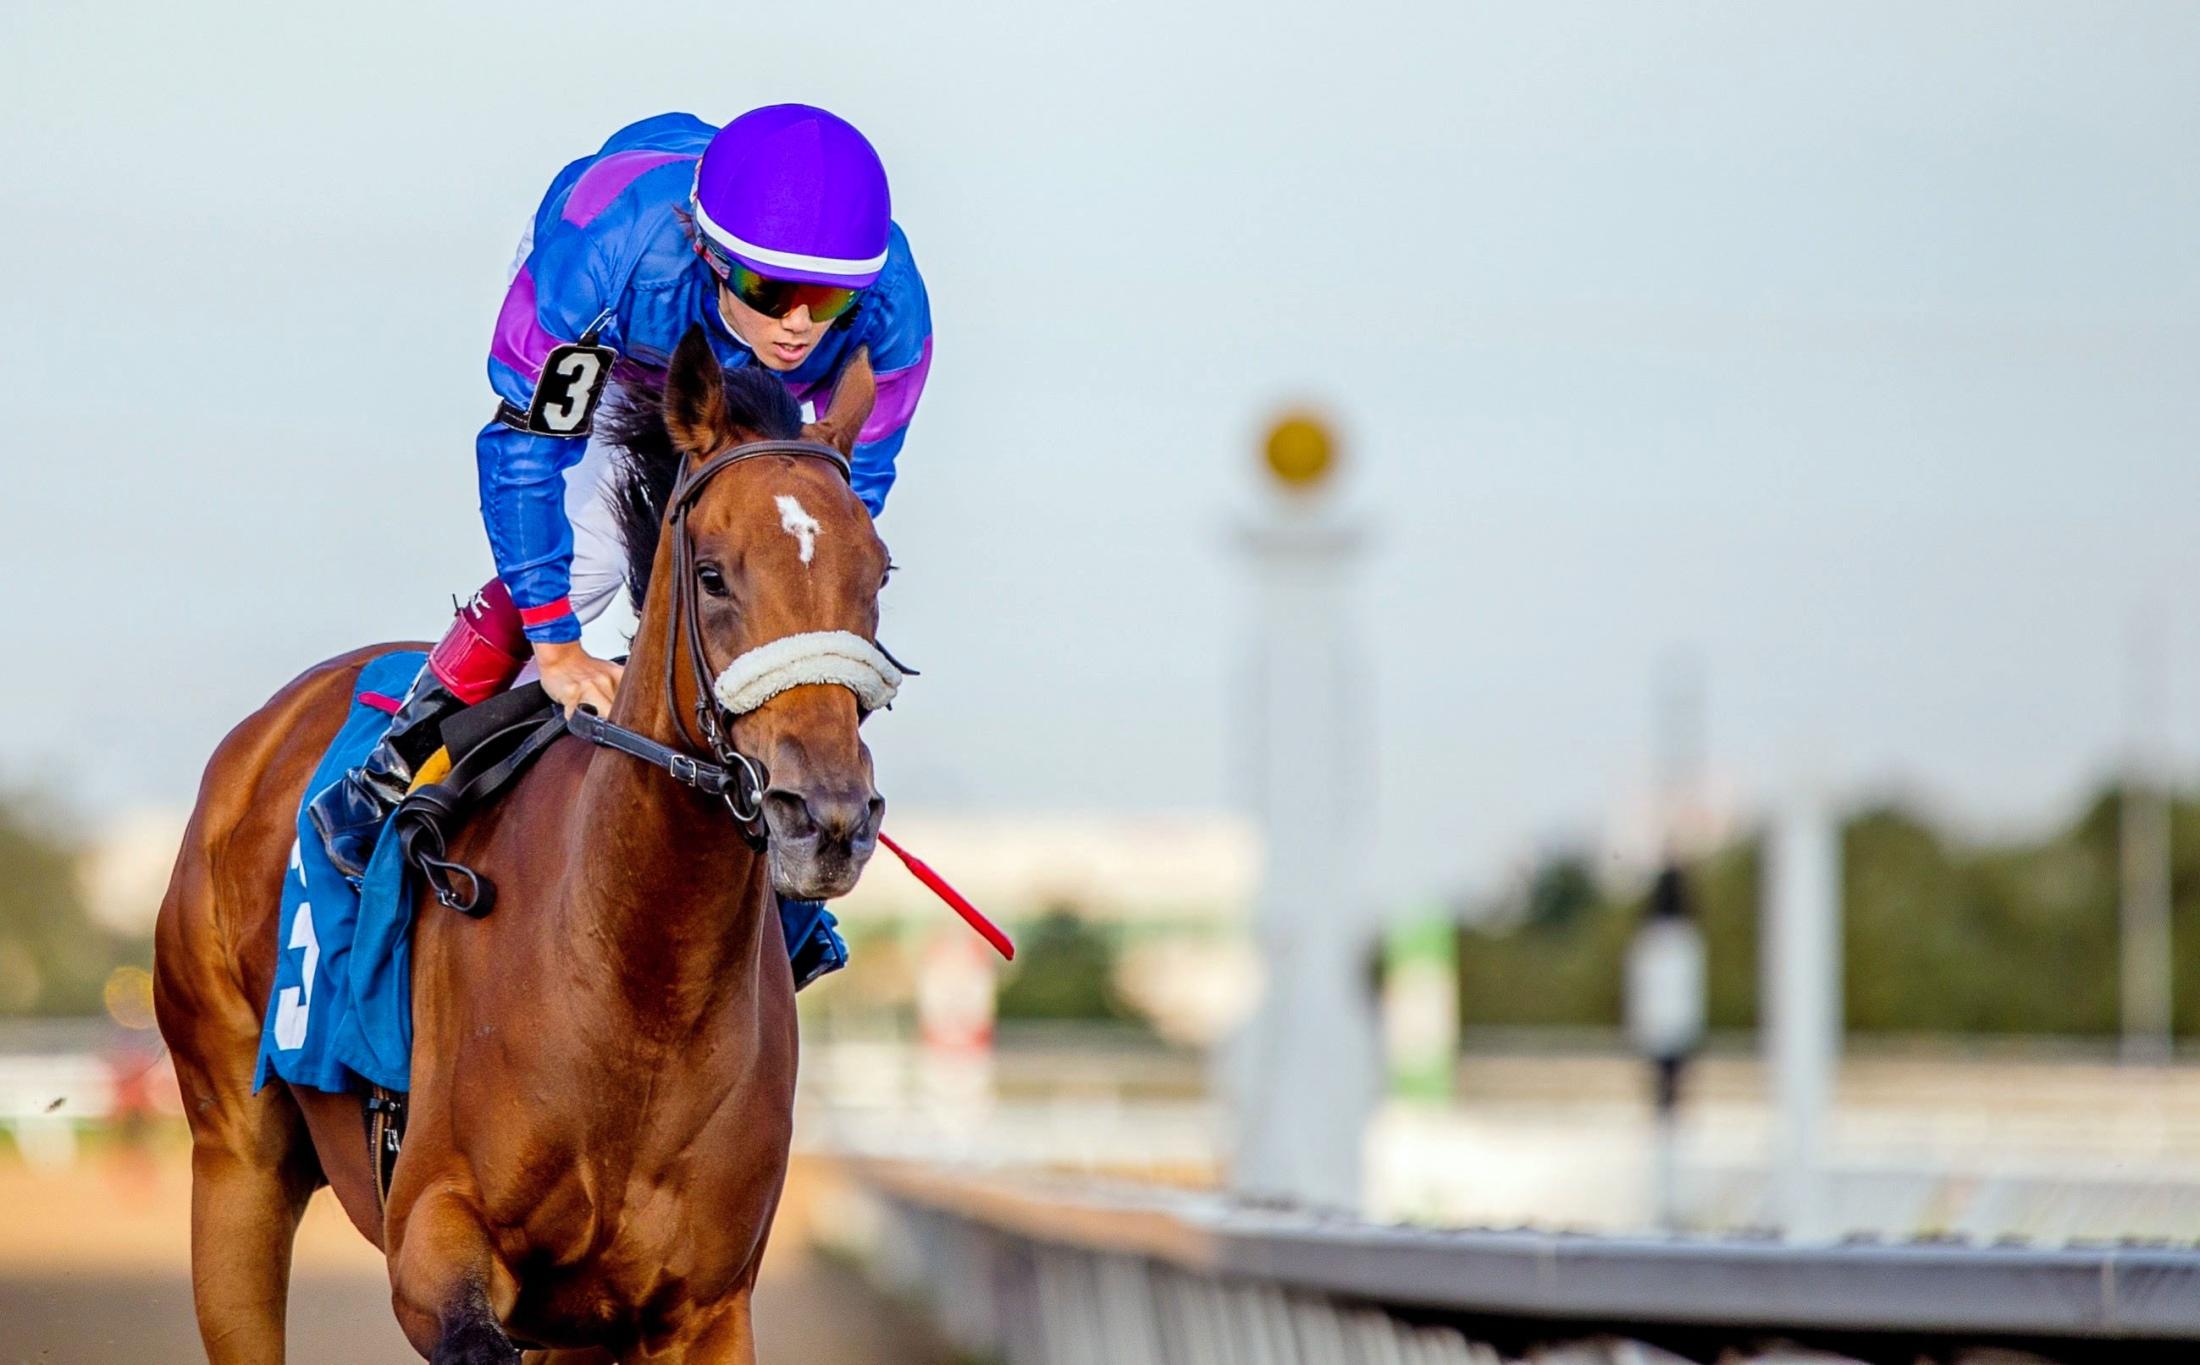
pixel 836 657
pixel 742 785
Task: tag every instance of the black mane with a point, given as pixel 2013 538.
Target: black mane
pixel 648 465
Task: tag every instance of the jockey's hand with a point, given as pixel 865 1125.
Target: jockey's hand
pixel 574 677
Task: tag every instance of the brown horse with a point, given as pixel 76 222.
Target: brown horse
pixel 603 1068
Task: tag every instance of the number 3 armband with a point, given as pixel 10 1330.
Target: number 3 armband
pixel 564 404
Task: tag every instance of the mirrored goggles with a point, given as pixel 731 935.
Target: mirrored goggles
pixel 777 298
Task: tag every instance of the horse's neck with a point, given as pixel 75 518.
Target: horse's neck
pixel 667 889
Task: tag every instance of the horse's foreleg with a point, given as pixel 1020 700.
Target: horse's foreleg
pixel 444 1282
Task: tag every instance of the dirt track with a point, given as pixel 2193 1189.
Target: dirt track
pixel 94 1270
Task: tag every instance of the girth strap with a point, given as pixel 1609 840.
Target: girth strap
pixel 385 1114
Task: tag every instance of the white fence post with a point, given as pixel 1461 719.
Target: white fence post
pixel 1799 1005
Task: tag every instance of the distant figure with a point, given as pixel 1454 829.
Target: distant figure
pixel 774 232
pixel 131 1061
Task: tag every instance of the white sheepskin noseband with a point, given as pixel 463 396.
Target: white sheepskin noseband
pixel 818 656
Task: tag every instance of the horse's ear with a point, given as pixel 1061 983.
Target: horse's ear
pixel 696 415
pixel 851 406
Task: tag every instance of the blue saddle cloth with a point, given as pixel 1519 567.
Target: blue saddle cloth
pixel 340 1015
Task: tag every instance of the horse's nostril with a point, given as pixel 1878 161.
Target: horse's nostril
pixel 789 815
pixel 837 817
pixel 843 817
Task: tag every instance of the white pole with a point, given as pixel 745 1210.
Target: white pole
pixel 2144 936
pixel 1308 1069
pixel 1799 989
pixel 1665 1169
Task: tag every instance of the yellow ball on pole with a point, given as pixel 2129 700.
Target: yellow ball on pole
pixel 1300 451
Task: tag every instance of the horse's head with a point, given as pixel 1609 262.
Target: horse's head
pixel 781 574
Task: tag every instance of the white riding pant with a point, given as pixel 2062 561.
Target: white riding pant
pixel 599 560
pixel 599 555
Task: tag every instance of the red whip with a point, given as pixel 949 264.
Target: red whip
pixel 972 916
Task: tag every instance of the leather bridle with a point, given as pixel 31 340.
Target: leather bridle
pixel 734 776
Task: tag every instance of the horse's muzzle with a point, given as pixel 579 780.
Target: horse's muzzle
pixel 820 840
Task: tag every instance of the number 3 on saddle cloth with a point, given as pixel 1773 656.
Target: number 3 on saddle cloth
pixel 339 1017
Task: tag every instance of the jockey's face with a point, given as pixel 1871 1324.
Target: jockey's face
pixel 779 343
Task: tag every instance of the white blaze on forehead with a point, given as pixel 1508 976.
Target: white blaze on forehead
pixel 799 524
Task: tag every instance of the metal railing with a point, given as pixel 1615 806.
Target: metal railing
pixel 1039 1271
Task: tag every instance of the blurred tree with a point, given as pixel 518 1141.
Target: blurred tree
pixel 1561 891
pixel 1547 974
pixel 1938 936
pixel 1064 970
pixel 53 958
pixel 1566 969
pixel 1726 888
pixel 2184 884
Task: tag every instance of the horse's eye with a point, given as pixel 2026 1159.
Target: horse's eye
pixel 713 581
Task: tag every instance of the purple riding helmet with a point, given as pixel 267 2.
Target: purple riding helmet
pixel 792 195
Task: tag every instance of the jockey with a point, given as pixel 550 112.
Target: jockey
pixel 774 232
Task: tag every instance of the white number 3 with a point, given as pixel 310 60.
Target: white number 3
pixel 572 377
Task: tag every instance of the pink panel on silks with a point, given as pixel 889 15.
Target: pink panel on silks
pixel 604 181
pixel 520 342
pixel 898 391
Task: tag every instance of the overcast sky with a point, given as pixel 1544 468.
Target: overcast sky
pixel 1851 347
